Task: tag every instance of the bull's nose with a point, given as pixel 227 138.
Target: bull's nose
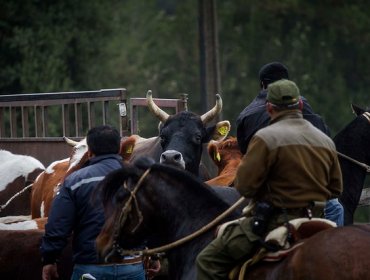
pixel 172 157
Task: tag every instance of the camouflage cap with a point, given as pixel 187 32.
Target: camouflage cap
pixel 283 92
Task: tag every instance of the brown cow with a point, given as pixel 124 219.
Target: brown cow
pixel 227 156
pixel 20 256
pixel 16 173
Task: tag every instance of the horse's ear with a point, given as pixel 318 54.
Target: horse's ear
pixel 357 110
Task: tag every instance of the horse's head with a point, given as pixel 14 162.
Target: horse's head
pixel 126 225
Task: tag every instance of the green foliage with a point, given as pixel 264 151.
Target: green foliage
pixel 87 45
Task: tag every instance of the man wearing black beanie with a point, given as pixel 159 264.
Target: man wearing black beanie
pixel 255 117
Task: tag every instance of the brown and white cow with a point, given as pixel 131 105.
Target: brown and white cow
pixel 47 183
pixel 38 223
pixel 227 156
pixel 16 173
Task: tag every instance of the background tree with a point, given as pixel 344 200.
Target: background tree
pixel 86 45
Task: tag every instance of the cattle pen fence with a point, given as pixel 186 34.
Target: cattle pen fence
pixel 34 124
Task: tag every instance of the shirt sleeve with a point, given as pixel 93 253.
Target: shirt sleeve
pixel 253 169
pixel 59 226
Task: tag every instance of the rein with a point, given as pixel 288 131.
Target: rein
pixel 124 214
pixel 366 115
pixel 181 241
pixel 2 207
pixel 363 165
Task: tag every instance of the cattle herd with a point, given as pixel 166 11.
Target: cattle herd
pixel 27 187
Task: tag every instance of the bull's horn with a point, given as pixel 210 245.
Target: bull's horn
pixel 70 142
pixel 207 117
pixel 158 112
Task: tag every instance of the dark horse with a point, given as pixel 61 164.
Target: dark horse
pixel 353 141
pixel 173 204
pixel 168 205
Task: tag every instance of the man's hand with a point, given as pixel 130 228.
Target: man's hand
pixel 50 272
pixel 153 269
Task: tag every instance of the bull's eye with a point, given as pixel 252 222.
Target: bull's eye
pixel 197 138
pixel 163 140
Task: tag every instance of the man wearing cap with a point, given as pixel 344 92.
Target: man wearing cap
pixel 255 117
pixel 288 165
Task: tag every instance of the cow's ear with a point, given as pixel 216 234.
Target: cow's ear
pixel 221 131
pixel 213 151
pixel 127 147
pixel 357 110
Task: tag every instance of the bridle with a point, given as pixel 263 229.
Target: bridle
pixel 363 165
pixel 116 248
pixel 126 209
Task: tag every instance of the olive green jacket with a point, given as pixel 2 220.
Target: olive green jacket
pixel 290 163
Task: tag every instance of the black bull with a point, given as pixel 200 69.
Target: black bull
pixel 20 256
pixel 182 136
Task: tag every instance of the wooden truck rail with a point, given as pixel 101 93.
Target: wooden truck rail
pixel 26 127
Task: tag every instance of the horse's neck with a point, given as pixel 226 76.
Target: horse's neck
pixel 181 216
pixel 181 260
pixel 353 180
pixel 181 213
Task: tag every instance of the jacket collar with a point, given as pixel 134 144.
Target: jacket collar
pixel 103 157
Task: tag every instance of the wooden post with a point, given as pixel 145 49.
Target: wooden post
pixel 208 47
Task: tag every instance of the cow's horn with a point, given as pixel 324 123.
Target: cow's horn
pixel 161 115
pixel 207 117
pixel 70 141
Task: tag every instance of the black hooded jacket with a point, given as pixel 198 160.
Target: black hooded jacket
pixel 255 117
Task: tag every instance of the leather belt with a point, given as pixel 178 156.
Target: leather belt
pixel 302 212
pixel 125 261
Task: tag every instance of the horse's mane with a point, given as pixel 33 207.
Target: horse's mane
pixel 112 183
pixel 111 191
pixel 345 137
pixel 187 179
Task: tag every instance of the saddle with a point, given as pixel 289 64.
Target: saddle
pixel 282 241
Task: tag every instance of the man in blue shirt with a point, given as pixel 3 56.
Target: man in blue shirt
pixel 74 210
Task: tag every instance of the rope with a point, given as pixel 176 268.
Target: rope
pixel 2 207
pixel 123 215
pixel 363 165
pixel 186 238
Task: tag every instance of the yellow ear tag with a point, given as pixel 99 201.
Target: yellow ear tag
pixel 217 156
pixel 129 149
pixel 223 130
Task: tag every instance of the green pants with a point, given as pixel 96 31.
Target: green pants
pixel 237 244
